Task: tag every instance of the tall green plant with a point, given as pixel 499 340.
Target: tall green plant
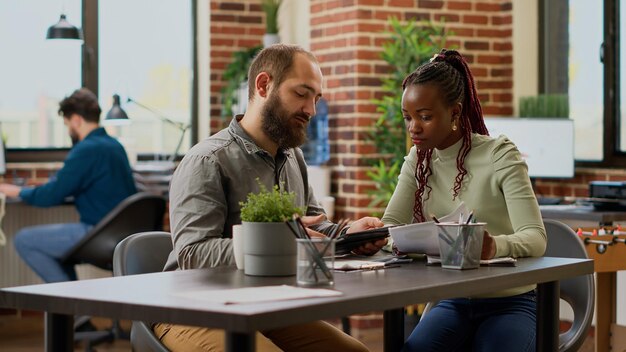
pixel 410 45
pixel 270 7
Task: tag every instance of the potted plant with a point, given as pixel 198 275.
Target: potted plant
pixel 270 7
pixel 269 246
pixel 545 105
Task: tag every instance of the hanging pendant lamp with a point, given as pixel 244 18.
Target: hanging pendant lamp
pixel 63 30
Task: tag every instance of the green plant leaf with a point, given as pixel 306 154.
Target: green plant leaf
pixel 273 205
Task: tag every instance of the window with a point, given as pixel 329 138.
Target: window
pixel 140 49
pixel 145 53
pixel 593 64
pixel 36 73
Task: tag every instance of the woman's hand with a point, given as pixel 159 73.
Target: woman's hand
pixel 367 223
pixel 489 247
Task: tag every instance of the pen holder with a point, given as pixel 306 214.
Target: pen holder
pixel 316 258
pixel 460 245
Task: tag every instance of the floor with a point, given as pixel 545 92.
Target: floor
pixel 24 333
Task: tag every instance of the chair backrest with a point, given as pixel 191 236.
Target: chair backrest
pixel 579 292
pixel 137 213
pixel 142 253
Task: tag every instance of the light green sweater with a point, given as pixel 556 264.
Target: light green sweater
pixel 496 187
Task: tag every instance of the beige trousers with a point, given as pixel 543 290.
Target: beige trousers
pixel 317 336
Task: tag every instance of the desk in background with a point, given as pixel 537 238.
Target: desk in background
pixel 153 297
pixel 607 264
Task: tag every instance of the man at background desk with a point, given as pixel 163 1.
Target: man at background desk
pixel 96 173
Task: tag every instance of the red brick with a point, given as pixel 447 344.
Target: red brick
pixel 479 72
pixel 475 19
pixel 507 46
pixel 502 72
pixel 461 31
pixel 249 19
pixel 475 45
pixel 385 15
pixel 447 17
pixel 401 3
pixel 497 20
pixel 502 98
pixel 231 6
pixel 416 16
pixel 494 84
pixel 371 2
pixel 460 5
pixel 430 4
pixel 487 6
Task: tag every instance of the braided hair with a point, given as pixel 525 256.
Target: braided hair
pixel 449 72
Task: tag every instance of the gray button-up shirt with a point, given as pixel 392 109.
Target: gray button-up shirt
pixel 211 180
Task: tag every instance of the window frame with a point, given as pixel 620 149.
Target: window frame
pixel 89 79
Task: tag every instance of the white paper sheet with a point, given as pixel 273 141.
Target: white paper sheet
pixel 258 294
pixel 502 261
pixel 349 265
pixel 422 237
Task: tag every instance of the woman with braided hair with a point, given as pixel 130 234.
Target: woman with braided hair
pixel 454 160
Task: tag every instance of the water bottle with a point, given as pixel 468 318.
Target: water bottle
pixel 317 148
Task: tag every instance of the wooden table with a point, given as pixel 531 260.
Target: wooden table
pixel 152 297
pixel 606 264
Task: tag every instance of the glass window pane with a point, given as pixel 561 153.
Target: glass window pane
pixel 622 78
pixel 145 54
pixel 36 73
pixel 586 25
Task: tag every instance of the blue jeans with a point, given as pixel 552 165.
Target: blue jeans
pixel 483 324
pixel 42 247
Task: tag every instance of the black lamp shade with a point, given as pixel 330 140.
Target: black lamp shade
pixel 116 115
pixel 63 30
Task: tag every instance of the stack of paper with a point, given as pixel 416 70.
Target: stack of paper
pixel 258 294
pixel 422 237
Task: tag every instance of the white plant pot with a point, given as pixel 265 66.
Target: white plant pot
pixel 270 39
pixel 269 249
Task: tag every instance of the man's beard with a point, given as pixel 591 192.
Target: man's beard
pixel 74 137
pixel 277 124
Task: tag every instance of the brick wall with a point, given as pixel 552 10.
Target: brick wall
pixel 235 25
pixel 346 35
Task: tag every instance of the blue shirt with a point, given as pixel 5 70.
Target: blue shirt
pixel 96 173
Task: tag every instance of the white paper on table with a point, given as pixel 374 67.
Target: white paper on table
pixel 422 237
pixel 502 261
pixel 349 265
pixel 258 294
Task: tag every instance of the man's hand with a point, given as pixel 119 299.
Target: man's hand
pixel 489 247
pixel 367 223
pixel 10 190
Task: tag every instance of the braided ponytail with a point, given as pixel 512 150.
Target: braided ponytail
pixel 449 71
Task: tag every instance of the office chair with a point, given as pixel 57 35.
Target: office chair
pixel 137 213
pixel 138 254
pixel 578 292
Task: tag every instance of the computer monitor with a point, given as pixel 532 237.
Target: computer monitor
pixel 547 144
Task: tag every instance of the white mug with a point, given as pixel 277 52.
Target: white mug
pixel 237 234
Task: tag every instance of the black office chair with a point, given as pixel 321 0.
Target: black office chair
pixel 142 253
pixel 137 213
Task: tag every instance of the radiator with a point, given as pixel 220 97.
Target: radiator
pixel 13 270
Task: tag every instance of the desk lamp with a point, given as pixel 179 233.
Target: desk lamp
pixel 117 116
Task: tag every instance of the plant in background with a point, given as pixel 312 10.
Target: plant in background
pixel 544 105
pixel 235 74
pixel 270 7
pixel 409 46
pixel 272 205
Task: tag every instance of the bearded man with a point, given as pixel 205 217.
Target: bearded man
pixel 96 173
pixel 284 82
